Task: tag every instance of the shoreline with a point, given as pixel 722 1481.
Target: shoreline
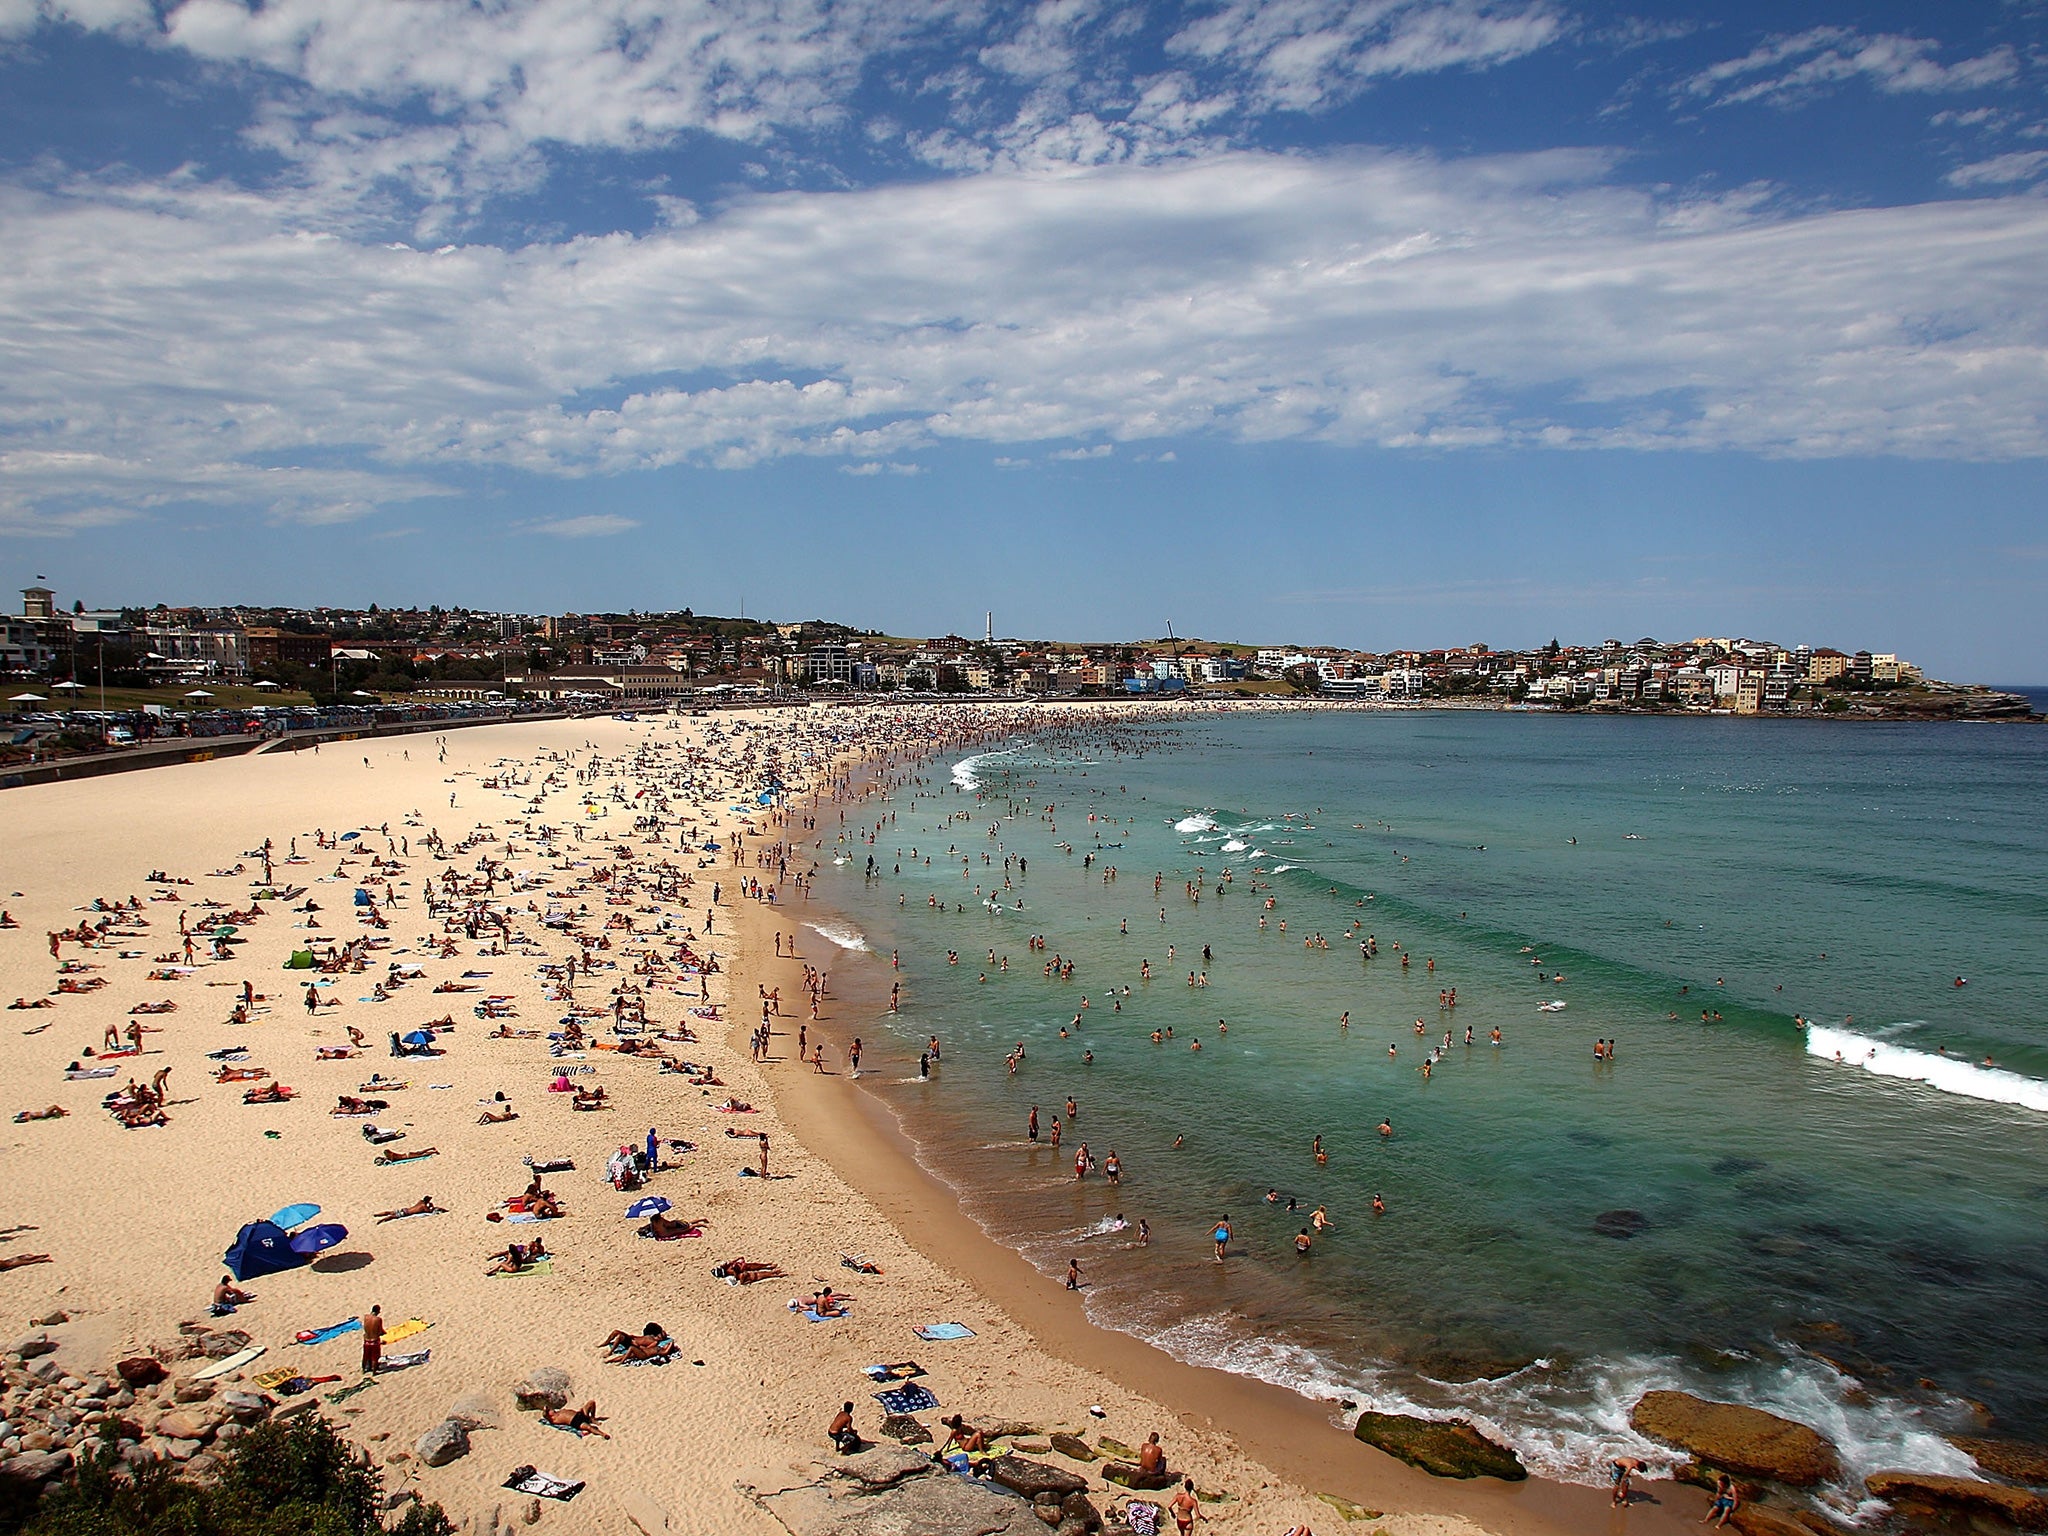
pixel 1287 1434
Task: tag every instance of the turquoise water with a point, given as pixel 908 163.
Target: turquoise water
pixel 1725 1206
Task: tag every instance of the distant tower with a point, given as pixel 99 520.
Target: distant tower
pixel 38 603
pixel 991 629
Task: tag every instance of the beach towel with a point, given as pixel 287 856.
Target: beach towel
pixel 551 1164
pixel 901 1370
pixel 405 1330
pixel 544 1267
pixel 914 1398
pixel 932 1332
pixel 813 1315
pixel 540 1485
pixel 404 1362
pixel 1143 1517
pixel 269 1381
pixel 89 1073
pixel 345 1393
pixel 322 1335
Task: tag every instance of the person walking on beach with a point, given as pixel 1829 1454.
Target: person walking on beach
pixel 1185 1508
pixel 373 1339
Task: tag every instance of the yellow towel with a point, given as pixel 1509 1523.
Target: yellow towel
pixel 405 1330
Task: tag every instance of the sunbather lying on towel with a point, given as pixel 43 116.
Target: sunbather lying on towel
pixel 662 1229
pixel 518 1256
pixel 241 1074
pixel 269 1093
pixel 406 1157
pixel 349 1104
pixel 21 1260
pixel 333 1053
pixel 747 1271
pixel 424 1206
pixel 650 1343
pixel 499 1117
pixel 583 1420
pixel 54 1112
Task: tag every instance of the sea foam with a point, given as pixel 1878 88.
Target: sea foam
pixel 842 934
pixel 1195 824
pixel 1949 1074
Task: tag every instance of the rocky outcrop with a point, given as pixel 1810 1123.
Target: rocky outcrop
pixel 1031 1478
pixel 1745 1441
pixel 1441 1447
pixel 1126 1474
pixel 2015 1506
pixel 902 1493
pixel 2014 1460
pixel 1073 1447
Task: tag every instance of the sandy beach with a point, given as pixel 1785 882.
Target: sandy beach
pixel 136 1220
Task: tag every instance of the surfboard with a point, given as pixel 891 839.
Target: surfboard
pixel 233 1362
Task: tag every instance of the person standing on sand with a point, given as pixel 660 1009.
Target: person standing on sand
pixel 373 1339
pixel 1185 1508
pixel 764 1153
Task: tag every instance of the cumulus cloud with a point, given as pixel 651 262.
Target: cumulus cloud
pixel 171 340
pixel 1787 70
pixel 1098 451
pixel 868 467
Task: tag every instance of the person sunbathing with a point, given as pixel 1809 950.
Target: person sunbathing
pixel 456 986
pixel 488 1118
pixel 962 1434
pixel 22 1002
pixel 166 1006
pixel 518 1256
pixel 54 1112
pixel 406 1157
pixel 827 1303
pixel 241 1074
pixel 349 1104
pixel 91 984
pixel 269 1093
pixel 735 1107
pixel 665 1229
pixel 650 1343
pixel 507 1032
pixel 21 1260
pixel 583 1420
pixel 747 1271
pixel 424 1206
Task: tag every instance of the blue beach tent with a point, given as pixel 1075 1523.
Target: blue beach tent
pixel 262 1248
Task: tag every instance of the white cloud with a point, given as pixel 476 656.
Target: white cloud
pixel 1299 55
pixel 1788 70
pixel 868 467
pixel 1099 451
pixel 592 525
pixel 2001 170
pixel 179 341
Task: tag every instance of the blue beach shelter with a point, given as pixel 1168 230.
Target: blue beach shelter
pixel 261 1248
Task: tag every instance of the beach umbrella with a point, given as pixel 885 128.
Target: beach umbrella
pixel 418 1037
pixel 294 1215
pixel 646 1205
pixel 28 698
pixel 318 1239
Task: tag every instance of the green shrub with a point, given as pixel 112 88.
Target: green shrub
pixel 296 1479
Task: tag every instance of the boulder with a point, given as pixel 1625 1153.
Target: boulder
pixel 1078 1509
pixel 218 1346
pixel 35 1345
pixel 1073 1447
pixel 905 1430
pixel 37 1466
pixel 190 1391
pixel 1031 1478
pixel 1125 1474
pixel 245 1407
pixel 475 1410
pixel 1110 1447
pixel 883 1466
pixel 2013 1459
pixel 53 1319
pixel 1764 1520
pixel 1745 1441
pixel 442 1444
pixel 188 1423
pixel 1349 1510
pixel 954 1505
pixel 545 1386
pixel 1010 1429
pixel 1442 1448
pixel 2015 1506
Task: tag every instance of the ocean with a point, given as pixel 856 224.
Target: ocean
pixel 1843 1223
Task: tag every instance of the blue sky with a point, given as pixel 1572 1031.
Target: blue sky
pixel 1369 322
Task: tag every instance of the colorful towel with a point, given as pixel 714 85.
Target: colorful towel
pixel 346 1393
pixel 270 1380
pixel 335 1331
pixel 932 1332
pixel 544 1267
pixel 901 1370
pixel 405 1330
pixel 914 1398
